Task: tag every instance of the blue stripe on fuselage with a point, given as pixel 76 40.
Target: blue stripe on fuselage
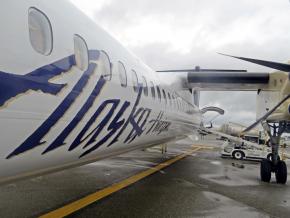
pixel 38 80
pixel 137 117
pixel 35 139
pixel 12 85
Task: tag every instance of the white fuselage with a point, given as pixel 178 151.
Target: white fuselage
pixel 55 115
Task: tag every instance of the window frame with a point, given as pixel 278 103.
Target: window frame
pixel 158 92
pixel 145 86
pixel 152 89
pixel 179 104
pixel 164 96
pixel 110 65
pixel 174 101
pixel 135 76
pixel 47 53
pixel 120 63
pixel 87 50
pixel 169 98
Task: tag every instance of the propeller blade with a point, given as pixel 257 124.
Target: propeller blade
pixel 270 64
pixel 266 115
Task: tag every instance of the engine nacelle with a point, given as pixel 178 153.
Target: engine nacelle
pixel 266 100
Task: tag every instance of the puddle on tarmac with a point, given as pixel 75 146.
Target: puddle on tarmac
pixel 226 207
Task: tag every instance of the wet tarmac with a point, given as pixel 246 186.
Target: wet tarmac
pixel 200 185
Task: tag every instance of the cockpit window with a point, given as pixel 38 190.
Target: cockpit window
pixel 40 31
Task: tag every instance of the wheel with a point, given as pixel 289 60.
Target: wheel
pixel 265 170
pixel 239 155
pixel 270 155
pixel 281 172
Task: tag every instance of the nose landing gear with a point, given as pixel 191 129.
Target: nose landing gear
pixel 280 170
pixel 274 164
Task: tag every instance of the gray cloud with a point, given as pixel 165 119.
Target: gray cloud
pixel 186 33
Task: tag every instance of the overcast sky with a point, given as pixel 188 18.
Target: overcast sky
pixel 185 33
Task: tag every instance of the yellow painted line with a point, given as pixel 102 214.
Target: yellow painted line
pixel 83 202
pixel 203 147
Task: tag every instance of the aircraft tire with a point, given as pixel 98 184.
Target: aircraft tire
pixel 239 155
pixel 281 172
pixel 270 156
pixel 265 170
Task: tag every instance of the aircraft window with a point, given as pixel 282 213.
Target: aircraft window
pixel 122 74
pixel 169 98
pixel 174 101
pixel 40 31
pixel 81 53
pixel 164 96
pixel 104 65
pixel 158 93
pixel 152 89
pixel 135 81
pixel 145 86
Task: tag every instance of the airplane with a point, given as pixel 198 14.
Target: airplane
pixel 70 94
